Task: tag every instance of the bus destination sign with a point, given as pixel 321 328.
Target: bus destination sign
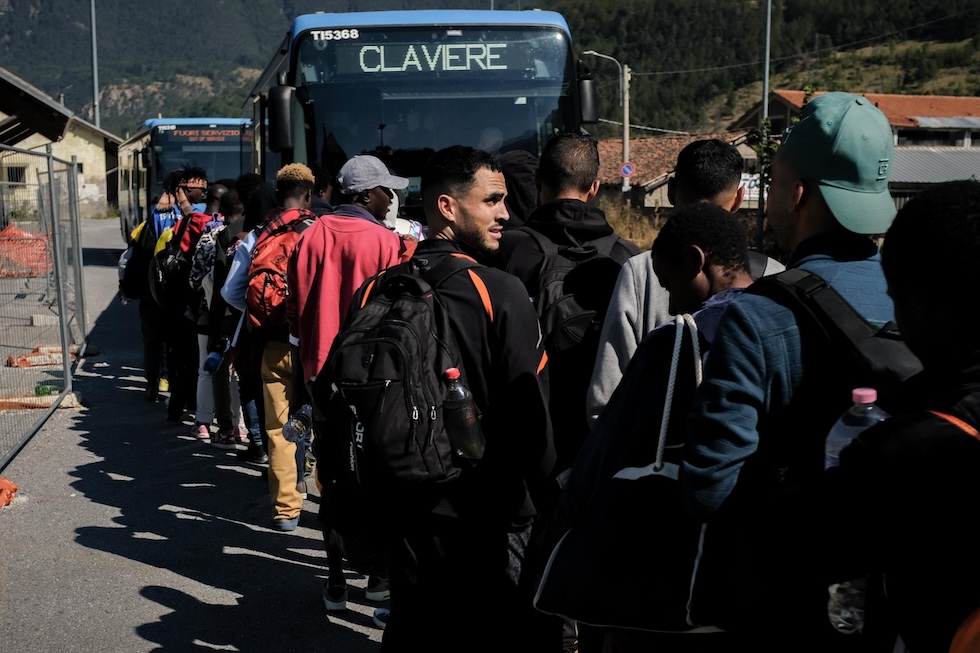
pixel 427 58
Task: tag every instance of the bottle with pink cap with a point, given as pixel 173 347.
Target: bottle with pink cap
pixel 863 414
pixel 845 606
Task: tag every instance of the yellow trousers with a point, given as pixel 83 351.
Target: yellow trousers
pixel 277 386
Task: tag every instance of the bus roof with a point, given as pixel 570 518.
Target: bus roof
pixel 154 122
pixel 428 18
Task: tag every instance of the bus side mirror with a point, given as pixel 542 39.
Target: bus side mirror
pixel 588 111
pixel 281 118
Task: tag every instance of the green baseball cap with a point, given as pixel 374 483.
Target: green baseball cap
pixel 844 143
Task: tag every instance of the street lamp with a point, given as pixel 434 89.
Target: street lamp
pixel 624 99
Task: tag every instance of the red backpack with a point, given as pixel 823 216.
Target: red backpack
pixel 265 295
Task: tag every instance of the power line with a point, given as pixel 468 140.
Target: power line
pixel 805 54
pixel 652 129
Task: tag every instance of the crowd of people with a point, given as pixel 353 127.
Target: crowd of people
pixel 265 277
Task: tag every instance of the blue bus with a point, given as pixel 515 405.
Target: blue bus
pixel 221 146
pixel 403 84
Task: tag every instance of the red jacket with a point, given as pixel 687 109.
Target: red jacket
pixel 331 260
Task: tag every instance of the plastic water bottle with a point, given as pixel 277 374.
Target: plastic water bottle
pixel 845 607
pixel 297 428
pixel 863 414
pixel 462 419
pixel 217 354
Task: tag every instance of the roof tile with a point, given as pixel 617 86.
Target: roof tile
pixel 652 157
pixel 902 110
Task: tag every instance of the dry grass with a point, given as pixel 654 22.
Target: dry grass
pixel 642 227
pixel 632 223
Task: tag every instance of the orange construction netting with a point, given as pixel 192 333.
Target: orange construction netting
pixel 23 254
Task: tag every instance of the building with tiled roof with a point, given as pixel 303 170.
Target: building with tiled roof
pixel 29 120
pixel 653 159
pixel 928 120
pixel 937 137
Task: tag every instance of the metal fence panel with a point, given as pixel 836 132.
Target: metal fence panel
pixel 42 310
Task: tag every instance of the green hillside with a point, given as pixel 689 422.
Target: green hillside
pixel 696 64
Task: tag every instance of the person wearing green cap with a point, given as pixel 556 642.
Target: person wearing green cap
pixel 756 431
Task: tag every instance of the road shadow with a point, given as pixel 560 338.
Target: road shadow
pixel 202 515
pixel 101 257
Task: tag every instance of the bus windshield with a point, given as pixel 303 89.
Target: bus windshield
pixel 221 146
pixel 401 93
pixel 223 151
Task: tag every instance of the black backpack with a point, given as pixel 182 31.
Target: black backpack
pixel 381 390
pixel 862 354
pixel 134 281
pixel 773 513
pixel 574 286
pixel 170 271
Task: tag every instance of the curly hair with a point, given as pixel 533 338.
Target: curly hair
pixel 721 236
pixel 172 180
pixel 293 180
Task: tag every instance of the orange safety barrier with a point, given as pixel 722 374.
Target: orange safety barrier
pixel 43 355
pixel 23 254
pixel 7 491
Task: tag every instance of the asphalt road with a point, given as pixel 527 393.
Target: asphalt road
pixel 127 534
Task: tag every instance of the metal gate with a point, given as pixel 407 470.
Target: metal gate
pixel 42 308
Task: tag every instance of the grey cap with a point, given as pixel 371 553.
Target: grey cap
pixel 364 172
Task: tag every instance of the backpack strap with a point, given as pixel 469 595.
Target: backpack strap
pixel 820 298
pixel 437 275
pixel 796 289
pixel 185 222
pixel 545 244
pixel 276 225
pixel 956 421
pixel 457 262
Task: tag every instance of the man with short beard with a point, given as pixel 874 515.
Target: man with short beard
pixel 456 567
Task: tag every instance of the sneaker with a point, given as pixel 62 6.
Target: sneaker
pixel 254 454
pixel 301 488
pixel 201 431
pixel 380 617
pixel 285 524
pixel 377 589
pixel 224 440
pixel 334 597
pixel 163 385
pixel 242 434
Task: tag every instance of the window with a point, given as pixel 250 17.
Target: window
pixel 81 168
pixel 928 137
pixel 16 174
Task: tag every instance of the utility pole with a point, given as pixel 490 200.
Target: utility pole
pixel 765 131
pixel 95 70
pixel 624 100
pixel 626 129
